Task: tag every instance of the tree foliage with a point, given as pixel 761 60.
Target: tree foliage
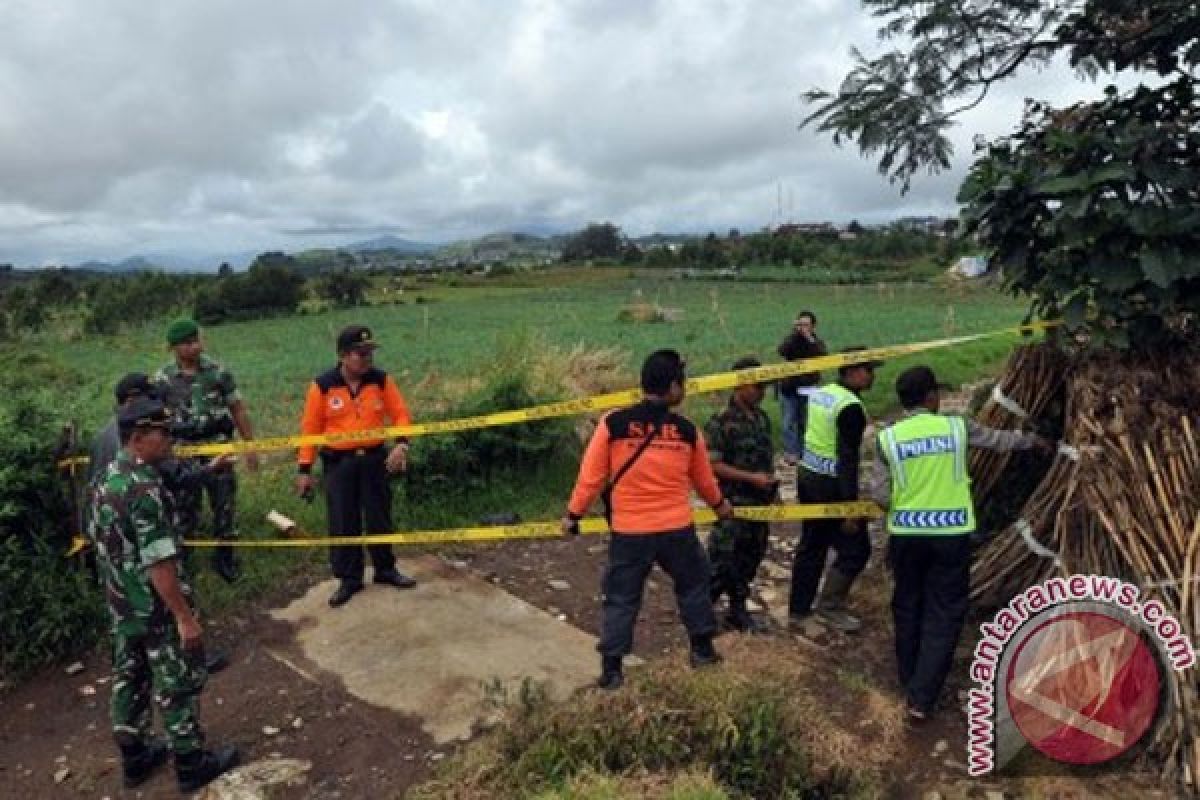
pixel 272 285
pixel 598 240
pixel 1092 209
pixel 343 288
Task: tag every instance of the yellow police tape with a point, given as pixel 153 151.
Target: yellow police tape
pixel 604 402
pixel 541 530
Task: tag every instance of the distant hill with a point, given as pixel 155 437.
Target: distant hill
pixel 503 246
pixel 393 243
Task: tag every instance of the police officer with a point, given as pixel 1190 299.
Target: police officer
pixel 353 396
pixel 828 473
pixel 157 640
pixel 739 442
pixel 646 459
pixel 921 478
pixel 206 407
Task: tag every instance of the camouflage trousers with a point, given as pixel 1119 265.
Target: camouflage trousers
pixel 221 488
pixel 153 668
pixel 736 548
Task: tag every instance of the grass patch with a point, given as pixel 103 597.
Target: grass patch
pixel 754 728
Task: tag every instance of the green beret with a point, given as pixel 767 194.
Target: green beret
pixel 181 330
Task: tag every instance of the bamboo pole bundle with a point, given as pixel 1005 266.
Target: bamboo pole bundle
pixel 1126 505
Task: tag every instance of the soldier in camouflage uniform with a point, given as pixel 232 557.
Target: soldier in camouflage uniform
pixel 739 441
pixel 157 644
pixel 206 407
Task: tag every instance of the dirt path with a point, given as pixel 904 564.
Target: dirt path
pixel 58 722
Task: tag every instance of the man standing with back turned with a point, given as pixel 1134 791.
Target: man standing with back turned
pixel 355 396
pixel 921 478
pixel 647 459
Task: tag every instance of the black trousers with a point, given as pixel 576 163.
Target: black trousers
pixel 818 535
pixel 630 559
pixel 357 492
pixel 929 606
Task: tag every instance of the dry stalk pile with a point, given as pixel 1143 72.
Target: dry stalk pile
pixel 1128 506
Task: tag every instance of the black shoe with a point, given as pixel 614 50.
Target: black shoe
pixel 215 661
pixel 611 676
pixel 138 763
pixel 703 654
pixel 225 565
pixel 198 768
pixel 344 592
pixel 394 577
pixel 740 619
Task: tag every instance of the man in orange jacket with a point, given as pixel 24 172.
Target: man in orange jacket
pixel 649 458
pixel 355 396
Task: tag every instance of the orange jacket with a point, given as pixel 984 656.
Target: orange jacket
pixel 654 496
pixel 330 407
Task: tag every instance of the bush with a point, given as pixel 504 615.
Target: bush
pixel 466 462
pixel 50 608
pixel 746 734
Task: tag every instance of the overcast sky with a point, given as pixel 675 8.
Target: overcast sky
pixel 214 126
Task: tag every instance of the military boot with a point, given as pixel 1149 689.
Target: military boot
pixel 703 654
pixel 611 676
pixel 139 761
pixel 224 563
pixel 200 767
pixel 831 603
pixel 740 618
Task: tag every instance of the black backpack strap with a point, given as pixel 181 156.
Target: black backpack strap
pixel 606 495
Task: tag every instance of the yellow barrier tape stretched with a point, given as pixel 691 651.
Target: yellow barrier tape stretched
pixel 604 402
pixel 540 530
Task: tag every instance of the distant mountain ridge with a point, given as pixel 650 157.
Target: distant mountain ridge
pixel 394 243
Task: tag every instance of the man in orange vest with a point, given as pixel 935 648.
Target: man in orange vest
pixel 646 459
pixel 355 396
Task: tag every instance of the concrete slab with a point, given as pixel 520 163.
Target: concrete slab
pixel 430 651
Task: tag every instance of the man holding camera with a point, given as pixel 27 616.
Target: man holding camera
pixel 206 407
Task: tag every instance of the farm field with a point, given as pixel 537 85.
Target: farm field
pixel 453 332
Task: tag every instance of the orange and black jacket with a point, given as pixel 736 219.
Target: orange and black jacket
pixel 654 495
pixel 330 407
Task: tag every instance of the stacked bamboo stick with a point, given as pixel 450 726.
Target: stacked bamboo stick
pixel 1125 504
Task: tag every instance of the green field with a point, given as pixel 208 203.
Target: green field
pixel 458 331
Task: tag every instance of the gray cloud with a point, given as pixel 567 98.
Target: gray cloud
pixel 225 126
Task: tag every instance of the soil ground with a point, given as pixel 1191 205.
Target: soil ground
pixel 58 722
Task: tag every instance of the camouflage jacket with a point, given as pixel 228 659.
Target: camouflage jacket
pixel 131 526
pixel 200 404
pixel 742 439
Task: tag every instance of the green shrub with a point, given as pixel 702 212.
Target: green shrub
pixel 744 733
pixel 49 608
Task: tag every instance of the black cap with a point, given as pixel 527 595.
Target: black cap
pixel 915 384
pixel 750 362
pixel 354 336
pixel 858 349
pixel 142 412
pixel 133 385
